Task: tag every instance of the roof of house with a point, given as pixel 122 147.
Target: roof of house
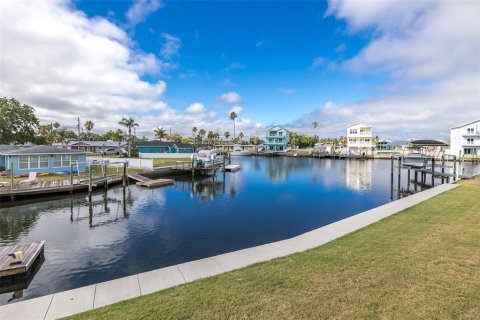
pixel 465 124
pixel 110 143
pixel 276 126
pixel 170 144
pixel 34 150
pixel 428 143
pixel 8 147
pixel 359 124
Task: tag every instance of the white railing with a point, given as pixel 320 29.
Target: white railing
pixel 165 155
pixel 132 162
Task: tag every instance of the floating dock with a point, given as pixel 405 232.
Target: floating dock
pixel 31 251
pixel 150 183
pixel 232 167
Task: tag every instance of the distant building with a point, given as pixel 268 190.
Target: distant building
pixel 465 139
pixel 159 149
pixel 359 138
pixel 277 138
pixel 385 145
pixel 94 146
pixel 41 159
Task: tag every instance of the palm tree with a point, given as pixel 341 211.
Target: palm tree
pixel 129 123
pixel 233 116
pixel 226 134
pixel 89 126
pixel 314 125
pixel 56 125
pixel 61 136
pixel 160 133
pixel 240 136
pixel 194 132
pixel 201 134
pixel 118 136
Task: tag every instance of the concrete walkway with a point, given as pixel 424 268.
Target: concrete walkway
pixel 66 303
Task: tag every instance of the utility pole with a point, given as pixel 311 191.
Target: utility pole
pixel 78 127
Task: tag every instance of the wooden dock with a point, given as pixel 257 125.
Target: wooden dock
pixel 31 251
pixel 150 183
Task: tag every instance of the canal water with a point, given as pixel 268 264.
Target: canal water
pixel 124 232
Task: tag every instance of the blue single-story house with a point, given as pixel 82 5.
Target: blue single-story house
pixel 164 147
pixel 41 159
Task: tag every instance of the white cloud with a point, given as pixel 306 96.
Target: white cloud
pixel 196 108
pixel 171 46
pixel 429 52
pixel 140 10
pixel 227 98
pixel 236 108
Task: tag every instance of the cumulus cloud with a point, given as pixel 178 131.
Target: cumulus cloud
pixel 140 10
pixel 171 45
pixel 196 108
pixel 228 98
pixel 429 52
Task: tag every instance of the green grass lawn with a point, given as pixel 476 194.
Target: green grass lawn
pixel 168 162
pixel 422 263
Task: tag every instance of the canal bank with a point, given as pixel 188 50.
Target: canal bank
pixel 87 298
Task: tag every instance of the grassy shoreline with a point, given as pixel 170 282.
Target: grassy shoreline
pixel 421 263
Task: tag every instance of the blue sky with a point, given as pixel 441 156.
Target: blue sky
pixel 264 50
pixel 397 65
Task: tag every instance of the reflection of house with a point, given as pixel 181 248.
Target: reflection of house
pixel 149 149
pixel 277 139
pixel 465 139
pixel 44 159
pixel 358 174
pixel 359 138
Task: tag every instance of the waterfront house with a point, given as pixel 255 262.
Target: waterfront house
pixel 40 159
pixel 465 139
pixel 385 145
pixel 163 149
pixel 94 146
pixel 359 139
pixel 277 138
pixel 427 147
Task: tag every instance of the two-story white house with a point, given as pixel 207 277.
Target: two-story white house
pixel 465 139
pixel 277 139
pixel 359 139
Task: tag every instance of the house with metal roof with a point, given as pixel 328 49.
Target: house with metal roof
pixel 41 159
pixel 163 149
pixel 277 139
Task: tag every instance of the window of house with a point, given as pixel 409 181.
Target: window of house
pixel 66 160
pixel 23 162
pixel 280 133
pixel 57 161
pixel 33 162
pixel 469 130
pixel 470 141
pixel 43 162
pixel 353 131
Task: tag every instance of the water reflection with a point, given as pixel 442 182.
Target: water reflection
pixel 120 232
pixel 358 174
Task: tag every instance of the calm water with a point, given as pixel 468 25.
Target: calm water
pixel 124 233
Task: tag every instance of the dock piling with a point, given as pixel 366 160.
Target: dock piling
pixel 124 177
pixel 454 168
pixel 433 171
pixel 399 176
pixel 11 175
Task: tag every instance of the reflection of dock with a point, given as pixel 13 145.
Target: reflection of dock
pixel 150 183
pixel 31 251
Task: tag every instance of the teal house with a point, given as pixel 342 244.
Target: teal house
pixel 41 159
pixel 277 139
pixel 147 149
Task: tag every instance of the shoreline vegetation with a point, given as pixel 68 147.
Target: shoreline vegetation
pixel 420 263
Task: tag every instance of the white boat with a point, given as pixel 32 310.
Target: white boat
pixel 205 158
pixel 237 151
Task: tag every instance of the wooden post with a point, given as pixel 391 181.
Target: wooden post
pixel 443 168
pixel 454 168
pixel 71 173
pixel 399 176
pixel 11 175
pixel 105 175
pixel 124 177
pixel 90 180
pixel 416 181
pixel 408 179
pixel 433 171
